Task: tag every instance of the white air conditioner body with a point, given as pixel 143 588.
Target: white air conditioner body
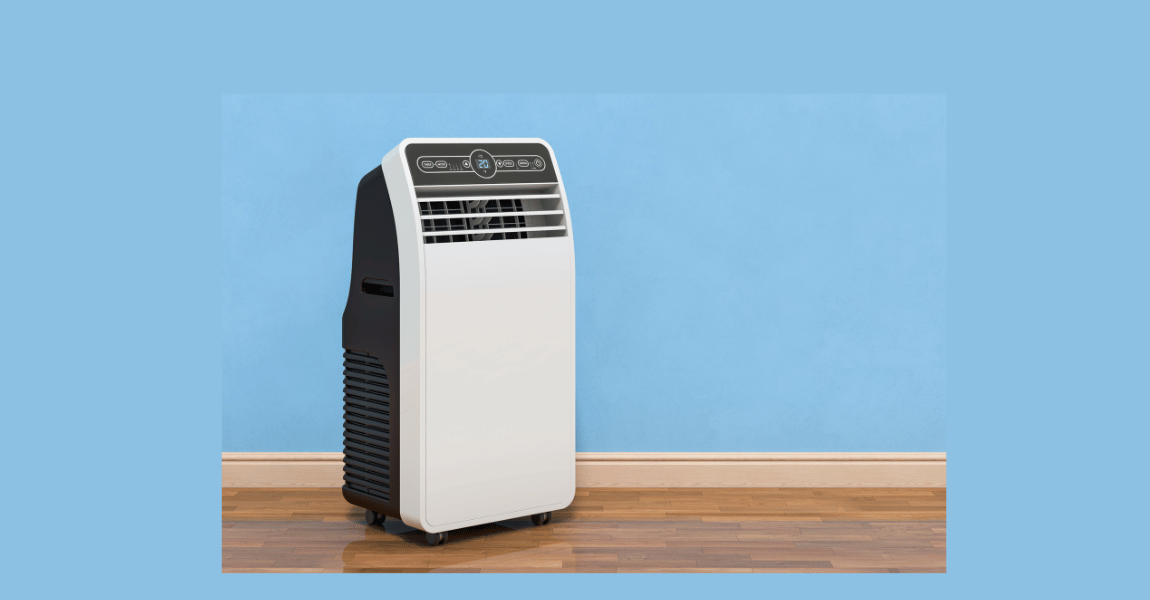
pixel 476 343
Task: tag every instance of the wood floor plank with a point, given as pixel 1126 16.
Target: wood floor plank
pixel 645 530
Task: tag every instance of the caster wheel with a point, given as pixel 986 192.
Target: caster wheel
pixel 541 518
pixel 374 518
pixel 436 539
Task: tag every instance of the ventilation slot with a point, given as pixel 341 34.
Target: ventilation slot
pixel 366 425
pixel 481 218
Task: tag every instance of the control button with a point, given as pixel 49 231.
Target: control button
pixel 538 163
pixel 441 164
pixel 524 163
pixel 508 164
pixel 466 164
pixel 427 164
pixel 499 163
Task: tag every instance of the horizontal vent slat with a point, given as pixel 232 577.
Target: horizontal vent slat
pixel 365 428
pixel 378 489
pixel 366 413
pixel 379 390
pixel 352 452
pixel 363 490
pixel 483 231
pixel 371 442
pixel 365 449
pixel 376 470
pixel 505 197
pixel 360 357
pixel 369 481
pixel 354 377
pixel 359 368
pixel 369 475
pixel 358 392
pixel 352 448
pixel 367 376
pixel 370 426
pixel 484 215
pixel 360 372
pixel 383 409
pixel 506 190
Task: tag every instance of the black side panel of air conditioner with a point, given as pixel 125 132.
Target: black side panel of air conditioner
pixel 371 358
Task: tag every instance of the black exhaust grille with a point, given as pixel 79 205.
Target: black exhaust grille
pixel 366 425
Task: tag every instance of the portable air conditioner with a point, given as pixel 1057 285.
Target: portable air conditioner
pixel 459 337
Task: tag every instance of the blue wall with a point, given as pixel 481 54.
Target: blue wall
pixel 754 273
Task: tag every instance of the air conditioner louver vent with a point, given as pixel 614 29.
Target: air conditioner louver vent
pixel 366 425
pixel 480 218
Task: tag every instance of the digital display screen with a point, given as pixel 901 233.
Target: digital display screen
pixel 483 164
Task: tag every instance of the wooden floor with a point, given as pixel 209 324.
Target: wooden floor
pixel 605 530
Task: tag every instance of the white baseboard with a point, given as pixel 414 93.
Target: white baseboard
pixel 644 469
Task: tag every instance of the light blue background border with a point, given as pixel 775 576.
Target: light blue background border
pixel 111 159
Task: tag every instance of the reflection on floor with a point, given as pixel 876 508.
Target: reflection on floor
pixel 605 530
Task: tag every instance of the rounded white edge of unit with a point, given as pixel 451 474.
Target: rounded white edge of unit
pixel 423 525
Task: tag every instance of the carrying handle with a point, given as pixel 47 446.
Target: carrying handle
pixel 376 287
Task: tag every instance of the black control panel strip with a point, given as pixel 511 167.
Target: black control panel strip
pixel 462 164
pixel 480 163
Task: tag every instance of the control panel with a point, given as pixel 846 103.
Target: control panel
pixel 463 164
pixel 484 164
